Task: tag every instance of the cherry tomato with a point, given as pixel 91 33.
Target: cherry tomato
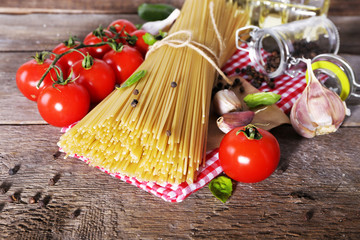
pixel 91 39
pixel 140 44
pixel 124 62
pixel 29 74
pixel 98 79
pixel 124 26
pixel 63 105
pixel 249 160
pixel 66 61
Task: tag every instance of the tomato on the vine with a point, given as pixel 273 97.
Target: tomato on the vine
pixel 123 61
pixel 66 61
pixel 29 74
pixel 96 76
pixel 249 154
pixel 140 44
pixel 62 105
pixel 123 26
pixel 98 36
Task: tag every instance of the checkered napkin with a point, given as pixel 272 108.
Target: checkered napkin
pixel 289 88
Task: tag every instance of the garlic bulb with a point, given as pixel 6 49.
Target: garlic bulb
pixel 226 101
pixel 231 120
pixel 318 110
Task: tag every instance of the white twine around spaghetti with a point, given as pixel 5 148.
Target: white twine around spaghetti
pixel 198 47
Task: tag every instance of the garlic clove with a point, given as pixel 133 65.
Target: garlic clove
pixel 226 101
pixel 318 110
pixel 155 26
pixel 231 120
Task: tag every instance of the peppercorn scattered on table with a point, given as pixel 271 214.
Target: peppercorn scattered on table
pixel 313 194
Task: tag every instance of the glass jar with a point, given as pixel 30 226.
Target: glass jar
pixel 336 74
pixel 277 50
pixel 268 13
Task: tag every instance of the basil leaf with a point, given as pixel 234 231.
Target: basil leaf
pixel 149 39
pixel 261 98
pixel 135 77
pixel 221 187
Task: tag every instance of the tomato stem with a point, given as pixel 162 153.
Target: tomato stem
pixel 88 61
pixel 40 57
pixel 58 56
pixel 71 42
pixel 251 132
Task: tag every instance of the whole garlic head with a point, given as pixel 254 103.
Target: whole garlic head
pixel 318 110
pixel 226 101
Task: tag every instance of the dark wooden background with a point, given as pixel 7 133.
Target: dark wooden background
pixel 314 194
pixel 338 7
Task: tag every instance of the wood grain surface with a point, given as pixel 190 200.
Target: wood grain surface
pixel 337 7
pixel 314 194
pixel 44 31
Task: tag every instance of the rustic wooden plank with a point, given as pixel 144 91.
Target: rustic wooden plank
pixel 337 7
pixel 348 27
pixel 313 195
pixel 104 6
pixel 36 32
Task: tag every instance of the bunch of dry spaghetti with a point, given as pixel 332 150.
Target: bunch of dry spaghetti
pixel 161 136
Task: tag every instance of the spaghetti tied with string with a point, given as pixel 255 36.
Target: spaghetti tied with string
pixel 163 137
pixel 176 43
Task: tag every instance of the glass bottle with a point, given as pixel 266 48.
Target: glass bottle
pixel 267 13
pixel 277 50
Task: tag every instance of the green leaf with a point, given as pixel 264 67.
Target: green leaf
pixel 135 77
pixel 149 39
pixel 221 187
pixel 261 98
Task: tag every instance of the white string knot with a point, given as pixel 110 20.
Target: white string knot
pixel 203 50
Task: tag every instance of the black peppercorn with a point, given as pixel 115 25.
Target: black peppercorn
pixel 75 213
pixel 14 170
pixel 236 82
pixel 242 89
pixel 168 133
pixel 134 102
pixel 173 84
pixel 136 92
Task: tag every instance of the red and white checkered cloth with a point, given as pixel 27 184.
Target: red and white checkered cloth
pixel 289 88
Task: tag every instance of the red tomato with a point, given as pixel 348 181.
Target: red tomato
pixel 99 79
pixel 66 61
pixel 65 105
pixel 249 160
pixel 140 44
pixel 124 62
pixel 97 52
pixel 29 74
pixel 124 26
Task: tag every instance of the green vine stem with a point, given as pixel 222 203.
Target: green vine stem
pixel 58 56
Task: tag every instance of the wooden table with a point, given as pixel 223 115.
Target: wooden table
pixel 314 194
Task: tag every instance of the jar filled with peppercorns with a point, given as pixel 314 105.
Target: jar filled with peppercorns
pixel 277 50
